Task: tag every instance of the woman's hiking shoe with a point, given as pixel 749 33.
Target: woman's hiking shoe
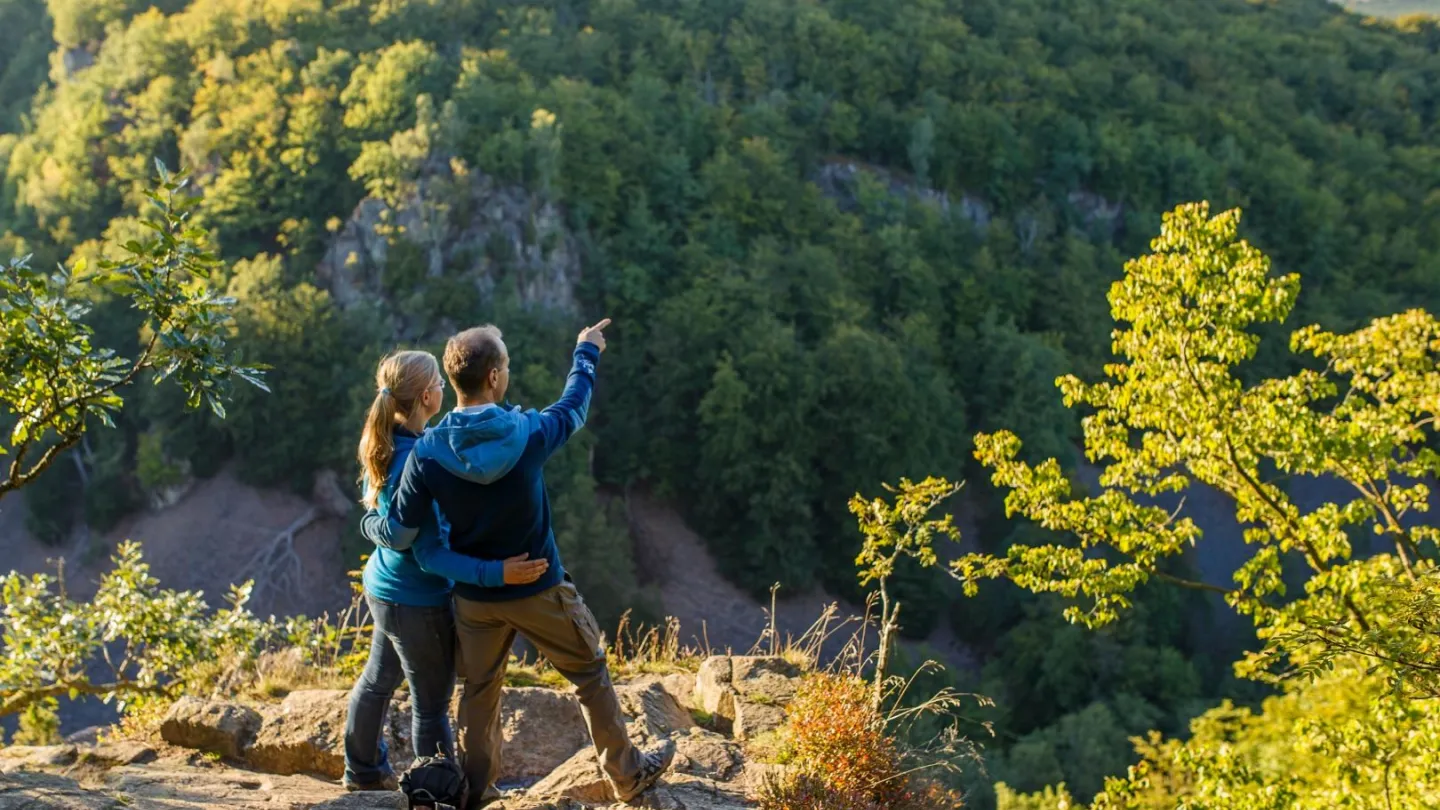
pixel 387 783
pixel 653 765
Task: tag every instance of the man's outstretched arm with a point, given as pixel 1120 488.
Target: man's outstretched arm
pixel 412 502
pixel 568 414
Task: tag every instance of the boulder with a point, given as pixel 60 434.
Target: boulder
pixel 543 729
pixel 90 735
pixel 654 710
pixel 757 775
pixel 215 726
pixel 578 778
pixel 707 754
pixel 714 692
pixel 746 694
pixel 680 685
pixel 120 752
pixel 753 719
pixel 304 734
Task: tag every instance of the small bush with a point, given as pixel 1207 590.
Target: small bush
pixel 842 756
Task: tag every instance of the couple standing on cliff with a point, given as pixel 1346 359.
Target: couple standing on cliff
pixel 465 559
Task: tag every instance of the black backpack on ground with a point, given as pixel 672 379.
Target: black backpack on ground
pixel 434 782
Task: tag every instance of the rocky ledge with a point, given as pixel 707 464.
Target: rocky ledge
pixel 290 755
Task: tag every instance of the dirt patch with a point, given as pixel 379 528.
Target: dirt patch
pixel 710 608
pixel 205 541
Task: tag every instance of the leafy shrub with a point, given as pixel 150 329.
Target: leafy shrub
pixel 39 724
pixel 153 637
pixel 843 756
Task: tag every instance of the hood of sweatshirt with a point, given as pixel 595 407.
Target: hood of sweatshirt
pixel 481 446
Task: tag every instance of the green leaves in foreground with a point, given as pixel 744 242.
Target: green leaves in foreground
pixel 147 636
pixel 54 380
pixel 1174 412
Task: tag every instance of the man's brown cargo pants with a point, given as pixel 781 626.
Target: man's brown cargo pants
pixel 562 629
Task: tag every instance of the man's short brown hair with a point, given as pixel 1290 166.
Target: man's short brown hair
pixel 470 356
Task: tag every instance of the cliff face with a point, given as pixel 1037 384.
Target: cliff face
pixel 455 232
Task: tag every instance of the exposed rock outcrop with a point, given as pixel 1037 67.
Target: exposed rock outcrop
pixel 462 224
pixel 44 791
pixel 291 754
pixel 306 734
pixel 746 694
pixel 840 179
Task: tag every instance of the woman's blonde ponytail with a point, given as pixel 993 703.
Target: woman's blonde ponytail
pixel 401 380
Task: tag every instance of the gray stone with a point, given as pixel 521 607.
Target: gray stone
pixel 707 754
pixel 215 726
pixel 543 729
pixel 578 778
pixel 654 709
pixel 304 734
pixel 746 694
pixel 120 752
pixel 85 736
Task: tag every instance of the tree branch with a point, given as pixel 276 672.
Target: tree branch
pixel 1192 584
pixel 16 479
pixel 21 700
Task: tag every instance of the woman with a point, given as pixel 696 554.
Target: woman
pixel 408 592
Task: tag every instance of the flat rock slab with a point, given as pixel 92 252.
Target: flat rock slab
pixel 680 792
pixel 33 757
pixel 180 788
pixel 44 791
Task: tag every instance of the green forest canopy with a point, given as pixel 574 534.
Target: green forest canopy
pixel 789 329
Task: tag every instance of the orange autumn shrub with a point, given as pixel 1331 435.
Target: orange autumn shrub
pixel 842 758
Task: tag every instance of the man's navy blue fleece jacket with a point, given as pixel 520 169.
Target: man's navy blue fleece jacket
pixel 483 466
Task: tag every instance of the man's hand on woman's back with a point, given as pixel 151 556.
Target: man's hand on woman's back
pixel 521 570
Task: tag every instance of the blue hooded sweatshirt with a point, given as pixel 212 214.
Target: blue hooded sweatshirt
pixel 483 467
pixel 422 575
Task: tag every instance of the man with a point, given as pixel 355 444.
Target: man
pixel 482 464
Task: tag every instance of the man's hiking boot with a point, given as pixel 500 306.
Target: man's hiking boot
pixel 654 762
pixel 385 783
